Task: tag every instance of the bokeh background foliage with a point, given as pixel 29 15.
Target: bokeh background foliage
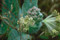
pixel 46 6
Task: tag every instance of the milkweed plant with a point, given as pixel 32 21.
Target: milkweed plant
pixel 20 23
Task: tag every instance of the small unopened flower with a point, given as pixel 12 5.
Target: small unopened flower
pixel 17 22
pixel 58 18
pixel 26 20
pixel 25 29
pixel 26 16
pixel 22 20
pixel 11 7
pixel 29 12
pixel 30 18
pixel 33 10
pixel 54 31
pixel 55 13
pixel 33 7
pixel 37 9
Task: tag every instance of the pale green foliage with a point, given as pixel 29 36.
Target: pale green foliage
pixel 14 35
pixel 51 23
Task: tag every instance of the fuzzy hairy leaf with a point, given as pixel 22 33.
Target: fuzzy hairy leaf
pixel 34 29
pixel 10 9
pixel 14 35
pixel 3 28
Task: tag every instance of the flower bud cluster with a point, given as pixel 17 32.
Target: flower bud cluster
pixel 35 13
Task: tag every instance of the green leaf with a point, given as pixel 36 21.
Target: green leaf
pixel 44 37
pixel 35 28
pixel 26 36
pixel 24 7
pixel 3 28
pixel 34 3
pixel 10 9
pixel 13 35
